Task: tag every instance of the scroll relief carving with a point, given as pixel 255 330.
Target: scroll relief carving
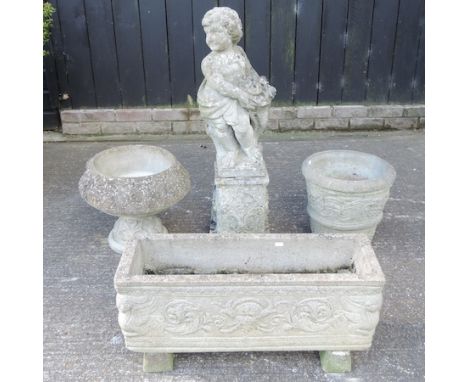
pixel 244 212
pixel 144 316
pixel 346 208
pixel 128 228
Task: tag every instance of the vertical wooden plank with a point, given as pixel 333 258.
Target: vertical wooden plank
pixel 257 35
pixel 200 7
pixel 238 6
pixel 179 24
pixel 382 45
pixel 155 52
pixel 59 55
pixel 357 50
pixel 76 47
pixel 419 83
pixel 406 47
pixel 283 38
pixel 104 58
pixel 309 20
pixel 50 103
pixel 129 52
pixel 332 50
pixel 50 80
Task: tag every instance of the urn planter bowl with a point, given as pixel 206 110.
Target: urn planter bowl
pixel 249 292
pixel 346 190
pixel 135 183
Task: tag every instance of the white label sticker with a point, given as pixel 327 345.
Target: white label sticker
pixel 279 244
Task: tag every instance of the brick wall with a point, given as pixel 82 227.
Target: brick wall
pixel 187 120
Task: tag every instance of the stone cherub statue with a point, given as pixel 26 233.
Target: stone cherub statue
pixel 233 99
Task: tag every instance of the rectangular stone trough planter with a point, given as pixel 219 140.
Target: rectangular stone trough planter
pixel 249 292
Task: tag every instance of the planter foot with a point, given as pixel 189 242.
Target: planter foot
pixel 129 228
pixel 158 362
pixel 335 361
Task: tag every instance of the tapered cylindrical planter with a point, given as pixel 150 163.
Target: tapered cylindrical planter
pixel 134 183
pixel 346 190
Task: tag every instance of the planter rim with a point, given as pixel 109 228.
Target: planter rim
pixel 316 176
pixel 367 269
pixel 90 164
pixel 114 195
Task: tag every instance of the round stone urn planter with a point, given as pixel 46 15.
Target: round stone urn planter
pixel 346 190
pixel 134 183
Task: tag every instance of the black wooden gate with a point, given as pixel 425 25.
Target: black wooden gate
pixel 137 53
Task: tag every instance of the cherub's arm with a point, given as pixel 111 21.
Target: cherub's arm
pixel 250 68
pixel 217 82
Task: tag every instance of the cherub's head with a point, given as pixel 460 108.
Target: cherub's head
pixel 223 28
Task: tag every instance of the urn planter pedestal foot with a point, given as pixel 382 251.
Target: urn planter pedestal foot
pixel 335 361
pixel 128 228
pixel 158 362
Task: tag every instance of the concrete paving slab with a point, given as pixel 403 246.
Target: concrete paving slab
pixel 82 339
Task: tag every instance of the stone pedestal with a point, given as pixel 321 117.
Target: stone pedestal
pixel 240 201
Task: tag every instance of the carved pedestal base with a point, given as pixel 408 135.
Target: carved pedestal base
pixel 335 361
pixel 240 203
pixel 128 228
pixel 158 362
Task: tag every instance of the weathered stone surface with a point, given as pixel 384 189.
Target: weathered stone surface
pixel 158 362
pixel 118 127
pixel 197 126
pixel 133 182
pixel 382 111
pixel 281 118
pixel 283 298
pixel 366 123
pixel 297 124
pixel 187 127
pixel 81 128
pixel 422 122
pixel 332 123
pixel 132 115
pixel 314 111
pixel 233 99
pixel 194 114
pixel 346 190
pixel 169 114
pixel 240 204
pixel 80 317
pixel 273 125
pixel 180 127
pixel 71 116
pixel 234 102
pixel 97 115
pixel 414 111
pixel 401 123
pixel 162 127
pixel 342 111
pixel 130 228
pixel 282 113
pixel 335 361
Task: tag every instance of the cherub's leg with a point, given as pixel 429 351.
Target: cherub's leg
pixel 225 143
pixel 246 136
